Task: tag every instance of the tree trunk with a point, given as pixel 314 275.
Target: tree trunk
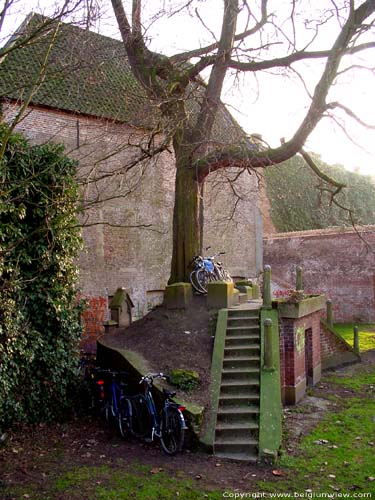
pixel 186 220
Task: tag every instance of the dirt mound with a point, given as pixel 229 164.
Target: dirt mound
pixel 170 339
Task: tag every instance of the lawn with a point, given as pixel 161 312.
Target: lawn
pixel 366 334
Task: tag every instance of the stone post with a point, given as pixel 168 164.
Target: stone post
pixel 267 292
pixel 299 283
pixel 269 363
pixel 356 340
pixel 329 313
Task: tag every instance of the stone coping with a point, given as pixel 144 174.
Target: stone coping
pixel 296 310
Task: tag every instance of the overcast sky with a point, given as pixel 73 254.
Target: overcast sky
pixel 273 107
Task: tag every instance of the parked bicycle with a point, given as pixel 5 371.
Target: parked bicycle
pixel 136 414
pixel 205 270
pixel 168 425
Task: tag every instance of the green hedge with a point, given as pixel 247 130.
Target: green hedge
pixel 39 314
pixel 297 204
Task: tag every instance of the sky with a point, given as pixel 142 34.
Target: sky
pixel 270 105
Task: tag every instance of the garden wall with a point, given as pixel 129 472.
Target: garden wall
pixel 335 261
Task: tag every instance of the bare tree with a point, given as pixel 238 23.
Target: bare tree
pixel 168 80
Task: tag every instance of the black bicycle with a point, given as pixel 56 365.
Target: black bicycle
pixel 168 425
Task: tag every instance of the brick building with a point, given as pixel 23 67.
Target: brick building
pixel 89 101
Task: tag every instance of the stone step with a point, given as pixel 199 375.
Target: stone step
pixel 235 331
pixel 242 457
pixel 237 433
pixel 241 440
pixel 249 447
pixel 238 413
pixel 238 400
pixel 244 388
pixel 241 362
pixel 241 350
pixel 235 376
pixel 241 321
pixel 241 426
pixel 250 313
pixel 242 339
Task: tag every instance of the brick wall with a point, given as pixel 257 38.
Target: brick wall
pixel 300 355
pixel 117 253
pixel 335 261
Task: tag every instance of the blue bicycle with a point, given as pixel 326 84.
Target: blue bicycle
pixel 168 425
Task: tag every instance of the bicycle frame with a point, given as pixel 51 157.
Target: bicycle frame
pixel 156 430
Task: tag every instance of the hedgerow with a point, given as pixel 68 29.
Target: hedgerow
pixel 39 314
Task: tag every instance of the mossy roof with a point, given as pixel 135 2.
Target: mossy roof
pixel 87 73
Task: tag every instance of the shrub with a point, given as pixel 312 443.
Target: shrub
pixel 39 313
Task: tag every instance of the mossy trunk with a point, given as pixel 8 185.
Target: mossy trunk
pixel 186 220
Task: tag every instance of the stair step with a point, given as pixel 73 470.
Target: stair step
pixel 243 457
pixel 243 330
pixel 251 313
pixel 240 383
pixel 249 391
pixel 238 410
pixel 238 400
pixel 235 415
pixel 246 441
pixel 241 347
pixel 249 447
pixel 242 371
pixel 240 377
pixel 248 338
pixel 237 426
pixel 240 361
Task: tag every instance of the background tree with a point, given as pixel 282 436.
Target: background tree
pixel 169 79
pixel 299 200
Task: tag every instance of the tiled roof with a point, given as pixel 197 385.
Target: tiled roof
pixel 88 73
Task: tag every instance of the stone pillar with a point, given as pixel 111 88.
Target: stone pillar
pixel 267 292
pixel 269 363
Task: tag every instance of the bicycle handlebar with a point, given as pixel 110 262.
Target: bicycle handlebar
pixel 150 377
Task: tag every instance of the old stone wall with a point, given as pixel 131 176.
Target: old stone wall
pixel 337 262
pixel 128 209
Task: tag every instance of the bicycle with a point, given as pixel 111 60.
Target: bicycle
pixel 112 403
pixel 110 399
pixel 205 270
pixel 169 426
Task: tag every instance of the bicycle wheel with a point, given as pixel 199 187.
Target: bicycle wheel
pixel 141 422
pixel 203 278
pixel 194 282
pixel 172 433
pixel 124 418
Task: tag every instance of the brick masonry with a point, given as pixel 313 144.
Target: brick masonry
pixel 128 218
pixel 300 355
pixel 336 262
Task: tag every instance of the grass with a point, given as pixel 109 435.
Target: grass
pixel 111 483
pixel 366 334
pixel 338 456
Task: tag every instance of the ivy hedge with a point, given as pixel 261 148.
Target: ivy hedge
pixel 39 314
pixel 298 204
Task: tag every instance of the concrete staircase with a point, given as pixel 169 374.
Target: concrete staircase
pixel 237 423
